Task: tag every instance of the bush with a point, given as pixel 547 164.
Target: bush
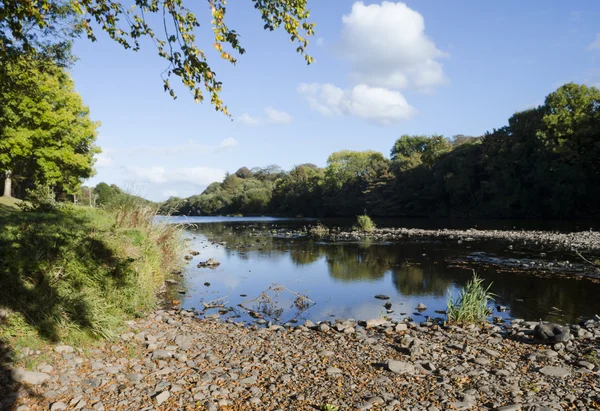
pixel 319 231
pixel 41 198
pixel 471 305
pixel 364 223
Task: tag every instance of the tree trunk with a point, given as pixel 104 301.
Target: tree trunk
pixel 7 184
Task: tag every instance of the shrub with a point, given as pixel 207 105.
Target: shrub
pixel 364 223
pixel 319 230
pixel 471 305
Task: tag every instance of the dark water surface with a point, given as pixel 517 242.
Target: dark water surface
pixel 343 278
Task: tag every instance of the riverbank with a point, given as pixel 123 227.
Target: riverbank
pixel 75 274
pixel 173 360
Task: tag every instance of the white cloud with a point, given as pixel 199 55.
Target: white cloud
pixel 192 175
pixel 595 44
pixel 375 104
pixel 228 142
pixel 271 116
pixel 387 47
pixel 104 159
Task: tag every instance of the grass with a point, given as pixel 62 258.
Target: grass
pixel 319 230
pixel 8 205
pixel 364 223
pixel 471 305
pixel 76 274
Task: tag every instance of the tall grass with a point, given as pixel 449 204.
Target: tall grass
pixel 77 273
pixel 364 223
pixel 319 230
pixel 471 305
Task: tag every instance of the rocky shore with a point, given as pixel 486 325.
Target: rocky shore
pixel 173 360
pixel 583 240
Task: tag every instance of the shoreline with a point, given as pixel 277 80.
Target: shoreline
pixel 174 360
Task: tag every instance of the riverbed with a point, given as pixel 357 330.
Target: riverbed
pixel 265 276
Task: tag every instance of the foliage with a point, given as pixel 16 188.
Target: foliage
pixel 364 223
pixel 543 164
pixel 76 273
pixel 319 230
pixel 46 28
pixel 328 407
pixel 47 134
pixel 471 305
pixel 40 198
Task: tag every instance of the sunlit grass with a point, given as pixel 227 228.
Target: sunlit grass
pixel 471 305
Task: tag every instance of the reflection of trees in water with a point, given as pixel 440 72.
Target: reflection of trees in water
pixel 411 279
pixel 416 274
pixel 573 297
pixel 352 262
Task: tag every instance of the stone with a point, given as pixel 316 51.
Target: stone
pixel 161 355
pixel 210 263
pixel 324 327
pixel 382 297
pixel 162 397
pixel 333 371
pixel 555 371
pixel 550 333
pixel 513 407
pixel 400 367
pixel 375 322
pixel 58 406
pixel 29 377
pixel 64 349
pixel 401 327
pixel 421 307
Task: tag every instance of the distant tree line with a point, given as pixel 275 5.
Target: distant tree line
pixel 544 164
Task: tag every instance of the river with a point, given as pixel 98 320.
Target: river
pixel 340 280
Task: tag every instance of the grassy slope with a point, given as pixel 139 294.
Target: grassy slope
pixel 8 205
pixel 75 275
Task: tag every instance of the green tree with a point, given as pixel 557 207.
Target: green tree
pixel 47 134
pixel 35 27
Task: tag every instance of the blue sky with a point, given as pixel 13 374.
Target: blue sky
pixel 382 69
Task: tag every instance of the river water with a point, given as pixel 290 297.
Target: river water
pixel 341 279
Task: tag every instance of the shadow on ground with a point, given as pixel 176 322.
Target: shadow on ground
pixel 53 270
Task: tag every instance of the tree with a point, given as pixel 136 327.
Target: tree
pixel 47 134
pixel 37 27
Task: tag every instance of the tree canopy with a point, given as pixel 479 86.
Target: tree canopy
pixel 45 28
pixel 545 163
pixel 47 134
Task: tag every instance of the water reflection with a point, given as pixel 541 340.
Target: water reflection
pixel 343 278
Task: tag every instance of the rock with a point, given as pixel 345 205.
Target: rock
pixel 585 364
pixel 551 333
pixel 382 297
pixel 421 307
pixel 375 322
pixel 210 263
pixel 323 327
pixel 58 406
pixel 66 349
pixel 161 355
pixel 249 380
pixel 555 371
pixel 400 367
pixel 401 327
pixel 333 371
pixel 514 407
pixel 29 377
pixel 162 397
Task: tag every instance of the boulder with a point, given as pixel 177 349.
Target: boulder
pixel 210 263
pixel 550 333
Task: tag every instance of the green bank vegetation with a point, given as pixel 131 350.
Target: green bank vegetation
pixel 471 305
pixel 543 164
pixel 75 274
